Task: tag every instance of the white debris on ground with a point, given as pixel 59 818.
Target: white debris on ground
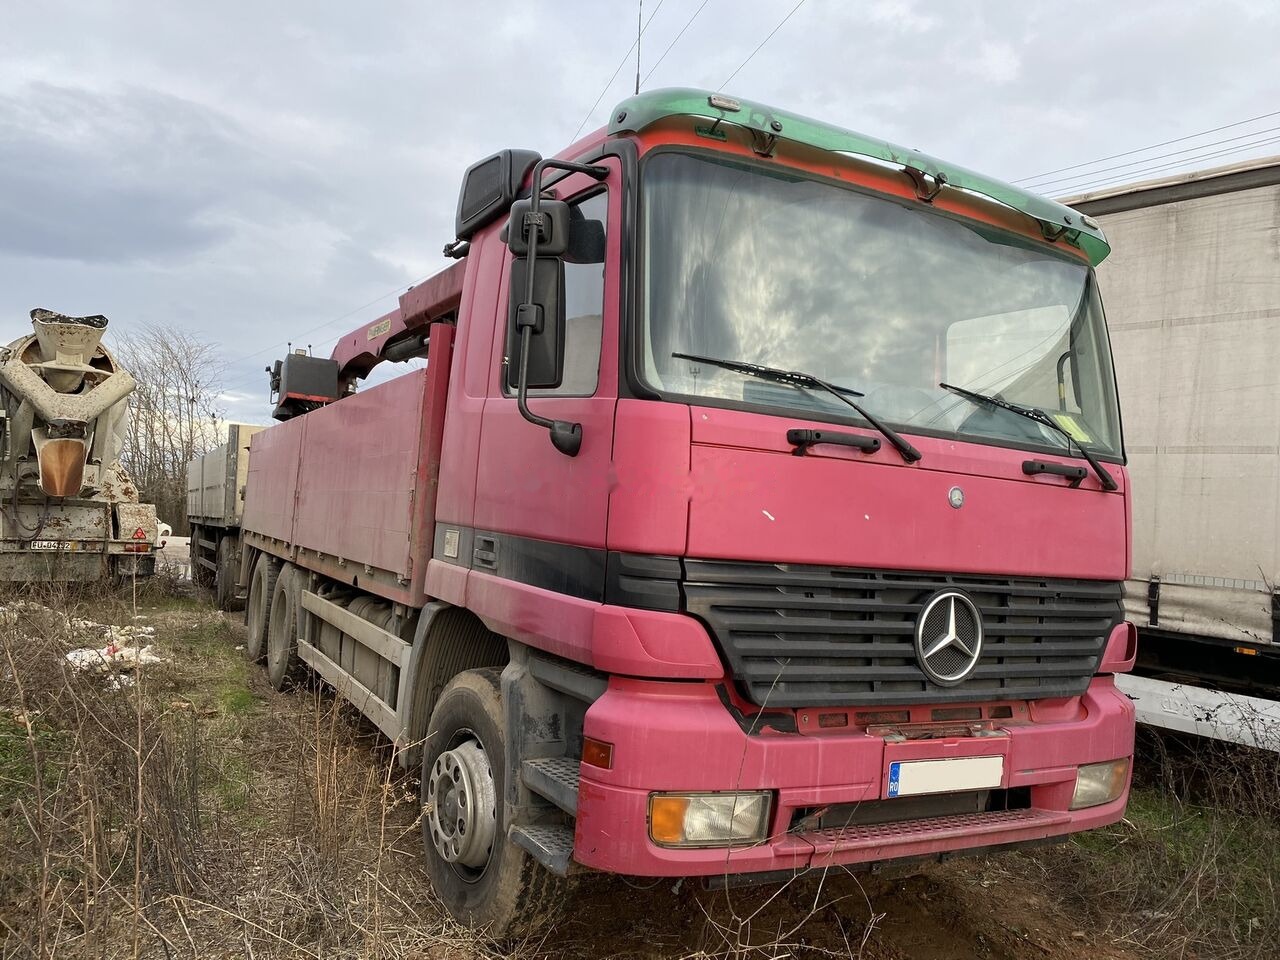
pixel 124 647
pixel 112 658
pixel 124 651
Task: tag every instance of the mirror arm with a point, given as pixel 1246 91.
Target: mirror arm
pixel 565 436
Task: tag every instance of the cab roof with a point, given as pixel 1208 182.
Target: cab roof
pixel 636 113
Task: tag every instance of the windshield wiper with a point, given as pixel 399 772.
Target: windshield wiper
pixel 797 378
pixel 1039 416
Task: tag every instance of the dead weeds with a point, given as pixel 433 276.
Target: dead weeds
pixel 197 813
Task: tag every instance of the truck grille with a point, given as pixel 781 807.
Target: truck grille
pixel 800 636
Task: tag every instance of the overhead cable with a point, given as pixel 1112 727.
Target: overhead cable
pixel 1165 143
pixel 621 63
pixel 760 46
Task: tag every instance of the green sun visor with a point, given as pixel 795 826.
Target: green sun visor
pixel 639 112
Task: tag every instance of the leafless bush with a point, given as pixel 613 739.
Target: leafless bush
pixel 174 414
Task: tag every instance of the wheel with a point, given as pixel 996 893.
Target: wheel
pixel 200 574
pixel 226 590
pixel 262 585
pixel 283 665
pixel 484 880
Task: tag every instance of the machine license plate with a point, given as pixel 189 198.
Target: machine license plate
pixel 911 777
pixel 54 544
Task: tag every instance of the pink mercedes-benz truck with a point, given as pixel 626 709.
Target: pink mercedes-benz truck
pixel 761 507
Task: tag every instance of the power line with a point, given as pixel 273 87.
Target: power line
pixel 1129 153
pixel 1134 175
pixel 328 323
pixel 1148 160
pixel 621 63
pixel 761 45
pixel 688 23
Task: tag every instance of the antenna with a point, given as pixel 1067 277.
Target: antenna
pixel 639 35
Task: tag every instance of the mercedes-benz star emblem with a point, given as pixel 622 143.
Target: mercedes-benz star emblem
pixel 948 637
pixel 955 497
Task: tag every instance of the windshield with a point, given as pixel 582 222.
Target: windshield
pixel 881 296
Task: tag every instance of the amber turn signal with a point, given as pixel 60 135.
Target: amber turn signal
pixel 666 818
pixel 597 753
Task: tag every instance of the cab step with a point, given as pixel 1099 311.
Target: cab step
pixel 555 778
pixel 550 844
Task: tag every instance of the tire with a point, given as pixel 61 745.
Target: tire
pixel 510 894
pixel 200 574
pixel 226 590
pixel 283 665
pixel 262 586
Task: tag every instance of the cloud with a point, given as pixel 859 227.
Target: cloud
pixel 249 172
pixel 113 177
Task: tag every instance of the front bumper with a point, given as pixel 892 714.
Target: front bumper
pixel 680 737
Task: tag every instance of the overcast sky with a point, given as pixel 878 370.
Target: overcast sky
pixel 251 172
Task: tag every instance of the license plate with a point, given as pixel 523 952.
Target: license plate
pixel 911 777
pixel 54 544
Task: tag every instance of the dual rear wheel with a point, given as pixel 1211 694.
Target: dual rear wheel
pixel 275 592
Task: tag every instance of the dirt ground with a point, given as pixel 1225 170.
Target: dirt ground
pixel 305 843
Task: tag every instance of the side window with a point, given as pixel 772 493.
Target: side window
pixel 583 298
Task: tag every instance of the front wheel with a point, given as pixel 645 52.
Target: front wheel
pixel 484 880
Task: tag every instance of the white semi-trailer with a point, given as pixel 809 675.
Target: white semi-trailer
pixel 1192 289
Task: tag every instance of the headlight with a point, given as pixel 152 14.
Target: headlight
pixel 708 819
pixel 1100 783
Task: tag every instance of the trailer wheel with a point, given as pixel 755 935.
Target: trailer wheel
pixel 484 880
pixel 225 586
pixel 283 665
pixel 262 586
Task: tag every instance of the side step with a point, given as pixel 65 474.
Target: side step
pixel 555 778
pixel 550 845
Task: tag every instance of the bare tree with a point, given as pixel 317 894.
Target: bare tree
pixel 174 414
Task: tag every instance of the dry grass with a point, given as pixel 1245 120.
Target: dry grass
pixel 200 814
pixel 1194 868
pixel 181 817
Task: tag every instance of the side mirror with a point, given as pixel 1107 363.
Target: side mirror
pixel 551 221
pixel 545 318
pixel 538 234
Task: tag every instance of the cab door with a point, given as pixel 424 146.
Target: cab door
pixel 540 513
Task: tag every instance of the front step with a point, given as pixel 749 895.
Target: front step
pixel 555 778
pixel 550 845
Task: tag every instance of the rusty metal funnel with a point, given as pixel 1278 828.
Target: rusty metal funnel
pixel 61 461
